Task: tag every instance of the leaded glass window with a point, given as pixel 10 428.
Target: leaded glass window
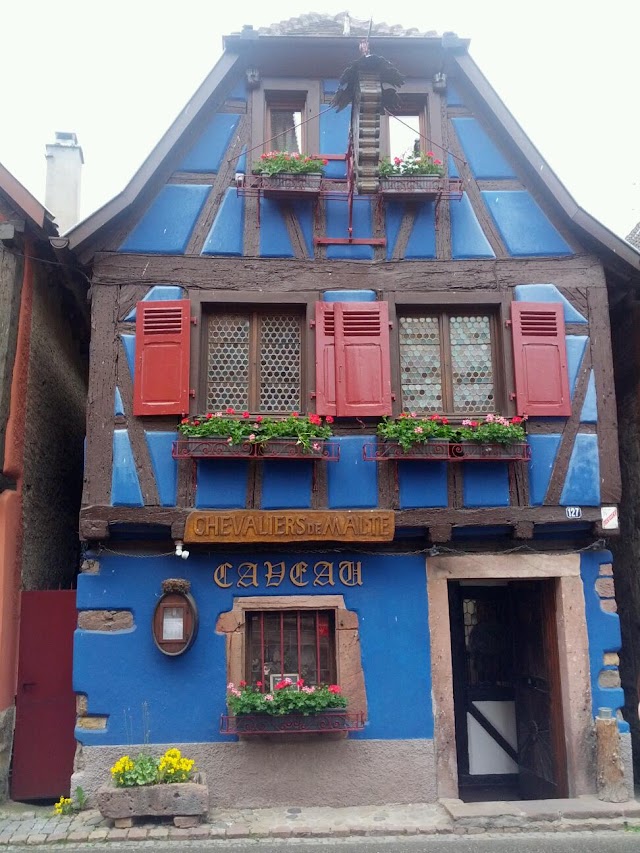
pixel 254 361
pixel 447 363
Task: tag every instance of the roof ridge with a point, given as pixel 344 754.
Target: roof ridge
pixel 342 24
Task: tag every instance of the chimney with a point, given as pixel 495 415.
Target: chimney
pixel 62 194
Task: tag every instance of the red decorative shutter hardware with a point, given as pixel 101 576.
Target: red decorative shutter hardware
pixel 161 382
pixel 325 359
pixel 540 359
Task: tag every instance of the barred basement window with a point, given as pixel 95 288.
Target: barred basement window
pixel 254 361
pixel 447 362
pixel 293 643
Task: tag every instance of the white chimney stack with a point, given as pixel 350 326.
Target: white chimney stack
pixel 62 193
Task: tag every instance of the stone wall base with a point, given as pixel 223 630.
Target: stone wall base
pixel 7 724
pixel 314 773
pixel 627 761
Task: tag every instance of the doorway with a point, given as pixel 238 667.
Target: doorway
pixel 506 686
pixel 44 742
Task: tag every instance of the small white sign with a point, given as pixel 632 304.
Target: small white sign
pixel 573 512
pixel 609 517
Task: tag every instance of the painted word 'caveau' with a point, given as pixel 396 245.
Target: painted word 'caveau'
pixel 322 573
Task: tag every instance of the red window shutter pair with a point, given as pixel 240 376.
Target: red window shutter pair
pixel 161 380
pixel 353 368
pixel 540 359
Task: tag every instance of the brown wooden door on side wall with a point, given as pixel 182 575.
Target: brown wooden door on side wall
pixel 541 750
pixel 44 743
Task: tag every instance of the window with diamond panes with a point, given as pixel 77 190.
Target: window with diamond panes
pixel 254 361
pixel 293 643
pixel 447 363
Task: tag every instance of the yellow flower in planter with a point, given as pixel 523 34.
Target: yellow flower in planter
pixel 174 768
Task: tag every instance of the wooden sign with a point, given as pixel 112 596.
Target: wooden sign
pixel 289 526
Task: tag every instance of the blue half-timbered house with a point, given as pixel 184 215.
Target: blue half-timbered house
pixel 457 589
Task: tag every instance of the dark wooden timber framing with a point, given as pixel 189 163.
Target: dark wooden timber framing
pixel 477 284
pixel 443 206
pixel 286 276
pixel 443 284
pixel 95 520
pixel 103 360
pixel 610 478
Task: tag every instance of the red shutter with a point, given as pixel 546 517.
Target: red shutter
pixel 325 359
pixel 161 383
pixel 540 359
pixel 363 366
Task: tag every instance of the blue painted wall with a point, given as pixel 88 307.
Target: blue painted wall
pixel 467 237
pixel 603 629
pixel 166 227
pixel 337 225
pixel 206 155
pixel 483 156
pixel 334 139
pixel 352 482
pixel 226 235
pixel 123 673
pixel 422 240
pixel 125 486
pixel 523 226
pixel 485 484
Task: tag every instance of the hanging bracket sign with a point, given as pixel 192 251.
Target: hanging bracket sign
pixel 289 526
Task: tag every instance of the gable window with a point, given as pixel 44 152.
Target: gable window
pixel 254 360
pixel 291 643
pixel 285 114
pixel 448 362
pixel 408 133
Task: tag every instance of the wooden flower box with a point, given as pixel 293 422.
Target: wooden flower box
pixel 275 448
pixel 447 451
pixel 185 802
pixel 290 184
pixel 419 187
pixel 289 448
pixel 210 448
pixel 330 721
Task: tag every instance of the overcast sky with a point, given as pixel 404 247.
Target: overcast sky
pixel 118 73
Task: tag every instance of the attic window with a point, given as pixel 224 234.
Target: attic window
pixel 408 133
pixel 285 113
pixel 404 140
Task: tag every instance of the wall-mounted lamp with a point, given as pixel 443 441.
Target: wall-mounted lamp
pixel 175 619
pixel 180 552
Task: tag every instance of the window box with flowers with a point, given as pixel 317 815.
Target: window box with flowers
pixel 146 786
pixel 292 707
pixel 416 174
pixel 292 173
pixel 413 437
pixel 227 434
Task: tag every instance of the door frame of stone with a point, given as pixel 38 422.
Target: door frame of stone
pixel 573 648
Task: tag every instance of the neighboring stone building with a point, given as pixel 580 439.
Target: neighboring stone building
pixel 43 360
pixel 461 591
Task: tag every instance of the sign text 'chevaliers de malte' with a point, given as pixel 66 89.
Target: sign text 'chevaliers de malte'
pixel 289 526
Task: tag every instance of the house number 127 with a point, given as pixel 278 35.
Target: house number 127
pixel 573 512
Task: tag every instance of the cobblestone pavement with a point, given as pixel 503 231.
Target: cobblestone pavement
pixel 29 825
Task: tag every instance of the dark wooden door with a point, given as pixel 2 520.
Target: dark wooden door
pixel 482 654
pixel 44 742
pixel 541 748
